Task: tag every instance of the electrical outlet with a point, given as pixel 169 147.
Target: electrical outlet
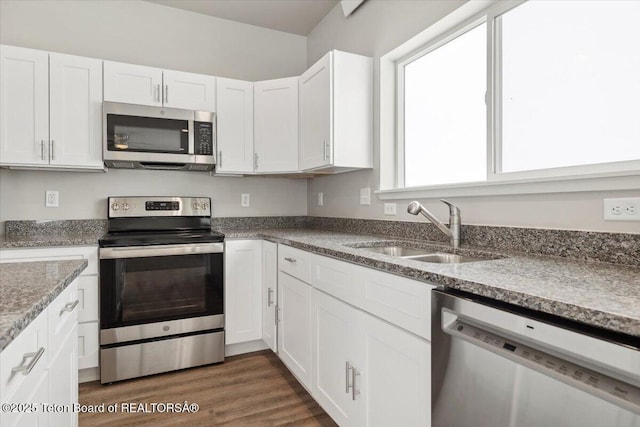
pixel 365 196
pixel 245 200
pixel 627 209
pixel 390 208
pixel 51 199
pixel 320 198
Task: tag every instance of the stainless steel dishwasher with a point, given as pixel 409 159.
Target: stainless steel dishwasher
pixel 495 365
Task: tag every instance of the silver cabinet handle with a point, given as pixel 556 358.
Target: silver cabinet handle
pixel 354 374
pixel 327 150
pixel 277 315
pixel 166 93
pixel 255 161
pixel 42 149
pixel 269 301
pixel 52 149
pixel 220 158
pixel 293 260
pixel 25 369
pixel 70 306
pixel 348 369
pixel 158 93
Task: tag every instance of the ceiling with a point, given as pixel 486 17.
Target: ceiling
pixel 291 16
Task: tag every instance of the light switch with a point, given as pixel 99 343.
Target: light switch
pixel 320 198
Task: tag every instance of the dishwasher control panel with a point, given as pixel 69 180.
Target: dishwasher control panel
pixel 603 386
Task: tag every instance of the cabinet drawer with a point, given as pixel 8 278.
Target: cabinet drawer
pixel 88 297
pixel 23 352
pixel 294 262
pixel 401 301
pixel 337 278
pixel 63 317
pixel 88 345
pixel 90 253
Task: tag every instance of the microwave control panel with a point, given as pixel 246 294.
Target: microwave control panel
pixel 203 138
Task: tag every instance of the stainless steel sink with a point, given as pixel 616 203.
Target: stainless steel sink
pixel 425 255
pixel 399 251
pixel 444 258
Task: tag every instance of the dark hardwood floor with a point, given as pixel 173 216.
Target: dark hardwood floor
pixel 248 390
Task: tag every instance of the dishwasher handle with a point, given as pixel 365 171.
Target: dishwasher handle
pixel 598 384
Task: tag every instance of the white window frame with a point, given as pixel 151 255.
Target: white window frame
pixel 595 177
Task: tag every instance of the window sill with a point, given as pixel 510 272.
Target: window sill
pixel 602 182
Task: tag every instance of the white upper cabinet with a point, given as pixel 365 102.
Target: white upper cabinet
pixel 75 110
pixel 235 126
pixel 275 124
pixel 50 110
pixel 137 84
pixel 189 91
pixel 132 84
pixel 336 113
pixel 24 106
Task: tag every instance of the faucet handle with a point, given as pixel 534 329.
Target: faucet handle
pixel 453 209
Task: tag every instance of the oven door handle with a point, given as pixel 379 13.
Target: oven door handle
pixel 161 250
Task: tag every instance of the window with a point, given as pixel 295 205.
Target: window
pixel 562 96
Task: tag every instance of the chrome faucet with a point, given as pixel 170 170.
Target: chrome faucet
pixel 453 231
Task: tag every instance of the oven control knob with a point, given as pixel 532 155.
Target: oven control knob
pixel 115 206
pixel 195 205
pixel 204 205
pixel 125 206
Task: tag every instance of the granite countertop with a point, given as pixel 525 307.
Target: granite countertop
pixel 27 288
pixel 598 294
pixel 49 240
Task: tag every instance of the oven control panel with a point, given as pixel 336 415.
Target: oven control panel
pixel 131 207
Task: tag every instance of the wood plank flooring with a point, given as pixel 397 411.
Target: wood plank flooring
pixel 254 389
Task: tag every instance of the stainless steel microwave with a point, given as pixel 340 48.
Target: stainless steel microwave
pixel 138 136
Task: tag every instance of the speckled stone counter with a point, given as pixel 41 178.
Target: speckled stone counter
pixel 598 294
pixel 27 288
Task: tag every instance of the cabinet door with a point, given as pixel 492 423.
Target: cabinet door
pixel 315 115
pixel 63 380
pixel 133 84
pixel 189 91
pixel 235 125
pixel 88 346
pixel 24 106
pixel 243 290
pixel 37 392
pixel 395 381
pixel 336 331
pixel 75 111
pixel 275 123
pixel 294 327
pixel 269 293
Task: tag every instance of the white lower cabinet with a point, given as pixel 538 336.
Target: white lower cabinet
pixel 40 367
pixel 243 291
pixel 294 327
pixel 337 358
pixel 269 293
pixel 369 343
pixel 87 295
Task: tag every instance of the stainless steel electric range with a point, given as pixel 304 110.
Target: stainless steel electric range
pixel 161 287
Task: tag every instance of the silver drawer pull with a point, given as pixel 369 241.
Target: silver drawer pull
pixel 25 369
pixel 293 260
pixel 348 384
pixel 70 306
pixel 269 300
pixel 354 374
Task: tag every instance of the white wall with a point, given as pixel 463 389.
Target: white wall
pixel 377 27
pixel 148 34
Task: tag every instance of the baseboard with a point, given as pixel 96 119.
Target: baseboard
pixel 244 347
pixel 88 374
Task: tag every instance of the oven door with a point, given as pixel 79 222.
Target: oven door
pixel 153 291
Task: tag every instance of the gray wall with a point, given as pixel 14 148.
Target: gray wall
pixel 377 27
pixel 144 33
